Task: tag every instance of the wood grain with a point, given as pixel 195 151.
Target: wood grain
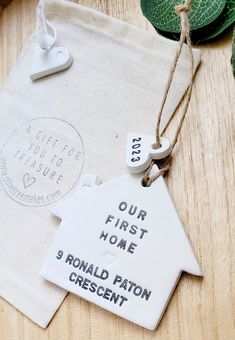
pixel 4 3
pixel 201 181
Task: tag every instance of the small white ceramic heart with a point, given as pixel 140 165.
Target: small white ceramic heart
pixel 48 62
pixel 140 151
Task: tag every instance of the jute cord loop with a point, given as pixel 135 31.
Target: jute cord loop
pixel 182 11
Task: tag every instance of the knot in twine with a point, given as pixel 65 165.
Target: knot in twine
pixel 182 10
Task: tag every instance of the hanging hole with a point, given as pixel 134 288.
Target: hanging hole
pixel 154 146
pixel 60 55
pixel 144 182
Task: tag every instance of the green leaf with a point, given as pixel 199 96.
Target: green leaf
pixel 233 53
pixel 161 13
pixel 226 19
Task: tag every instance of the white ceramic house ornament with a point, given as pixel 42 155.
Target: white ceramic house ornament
pixel 121 246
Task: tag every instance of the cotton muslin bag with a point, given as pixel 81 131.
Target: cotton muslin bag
pixel 76 121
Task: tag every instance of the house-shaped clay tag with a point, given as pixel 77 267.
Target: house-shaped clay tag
pixel 121 246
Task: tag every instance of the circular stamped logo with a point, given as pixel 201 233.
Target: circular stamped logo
pixel 41 161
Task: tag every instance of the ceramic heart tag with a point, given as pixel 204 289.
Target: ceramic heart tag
pixel 140 151
pixel 48 62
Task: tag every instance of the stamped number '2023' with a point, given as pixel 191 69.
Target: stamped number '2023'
pixel 136 149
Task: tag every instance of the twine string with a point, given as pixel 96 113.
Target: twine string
pixel 47 33
pixel 182 11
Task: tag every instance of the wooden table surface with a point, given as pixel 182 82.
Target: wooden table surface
pixel 202 184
